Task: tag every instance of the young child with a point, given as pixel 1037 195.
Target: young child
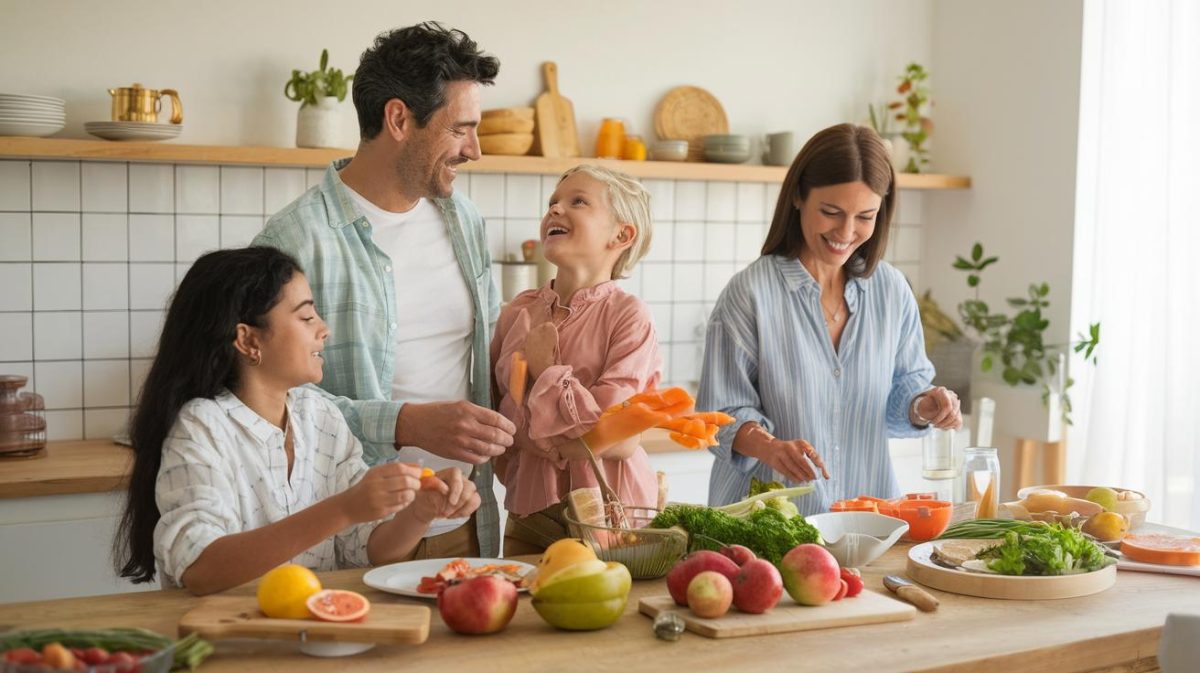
pixel 588 345
pixel 239 466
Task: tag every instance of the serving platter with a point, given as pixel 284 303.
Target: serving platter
pixel 921 568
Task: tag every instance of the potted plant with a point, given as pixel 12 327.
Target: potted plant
pixel 318 93
pixel 880 119
pixel 910 111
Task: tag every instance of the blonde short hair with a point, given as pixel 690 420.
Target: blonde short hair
pixel 630 204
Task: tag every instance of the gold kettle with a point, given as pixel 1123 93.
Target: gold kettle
pixel 135 104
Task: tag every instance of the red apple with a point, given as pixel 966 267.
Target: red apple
pixel 480 605
pixel 757 587
pixel 694 564
pixel 738 554
pixel 709 594
pixel 810 574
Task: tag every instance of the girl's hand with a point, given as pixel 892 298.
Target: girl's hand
pixel 541 348
pixel 940 408
pixel 383 491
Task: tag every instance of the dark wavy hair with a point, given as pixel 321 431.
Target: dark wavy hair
pixel 839 154
pixel 414 64
pixel 196 358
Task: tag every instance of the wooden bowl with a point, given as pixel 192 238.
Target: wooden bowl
pixel 511 144
pixel 511 124
pixel 525 113
pixel 1133 510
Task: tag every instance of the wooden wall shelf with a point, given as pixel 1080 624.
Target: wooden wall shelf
pixel 105 150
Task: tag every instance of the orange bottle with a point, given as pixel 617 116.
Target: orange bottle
pixel 635 149
pixel 611 139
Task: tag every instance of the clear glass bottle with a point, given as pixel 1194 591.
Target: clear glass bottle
pixel 981 481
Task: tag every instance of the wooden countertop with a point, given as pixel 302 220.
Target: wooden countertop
pixel 105 150
pixel 1116 630
pixel 91 466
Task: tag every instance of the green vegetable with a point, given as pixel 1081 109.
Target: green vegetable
pixel 1032 547
pixel 986 529
pixel 189 651
pixel 779 495
pixel 768 532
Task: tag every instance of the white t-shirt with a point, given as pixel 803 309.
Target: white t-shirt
pixel 435 317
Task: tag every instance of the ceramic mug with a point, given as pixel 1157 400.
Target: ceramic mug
pixel 779 149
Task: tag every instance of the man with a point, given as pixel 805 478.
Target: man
pixel 399 268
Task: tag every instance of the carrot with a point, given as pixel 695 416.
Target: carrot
pixel 687 441
pixel 672 401
pixel 713 417
pixel 517 377
pixel 619 426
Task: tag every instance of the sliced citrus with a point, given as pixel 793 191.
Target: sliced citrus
pixel 1172 550
pixel 337 605
pixel 283 591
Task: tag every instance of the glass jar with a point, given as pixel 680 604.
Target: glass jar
pixel 611 139
pixel 981 475
pixel 634 150
pixel 22 419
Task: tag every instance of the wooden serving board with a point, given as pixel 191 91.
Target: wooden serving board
pixel 238 617
pixel 556 135
pixel 865 608
pixel 921 569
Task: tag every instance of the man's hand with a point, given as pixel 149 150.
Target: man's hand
pixel 455 430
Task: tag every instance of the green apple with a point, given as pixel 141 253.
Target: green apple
pixel 1103 496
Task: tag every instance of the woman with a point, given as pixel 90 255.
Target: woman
pixel 239 465
pixel 818 343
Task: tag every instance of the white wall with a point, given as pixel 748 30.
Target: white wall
pixel 1006 82
pixel 774 64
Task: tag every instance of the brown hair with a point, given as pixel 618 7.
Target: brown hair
pixel 837 155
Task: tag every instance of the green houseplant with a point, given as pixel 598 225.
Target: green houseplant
pixel 910 111
pixel 318 93
pixel 1015 344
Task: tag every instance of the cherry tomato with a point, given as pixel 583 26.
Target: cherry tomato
pixel 853 580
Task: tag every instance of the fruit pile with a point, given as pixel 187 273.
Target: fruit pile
pixel 575 591
pixel 292 591
pixel 709 582
pixel 121 650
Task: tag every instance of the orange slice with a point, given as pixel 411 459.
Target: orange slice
pixel 338 605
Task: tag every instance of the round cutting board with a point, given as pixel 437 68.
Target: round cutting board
pixel 922 569
pixel 689 113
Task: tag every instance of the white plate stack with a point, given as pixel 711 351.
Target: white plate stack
pixel 133 130
pixel 28 115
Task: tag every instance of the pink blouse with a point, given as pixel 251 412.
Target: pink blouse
pixel 607 352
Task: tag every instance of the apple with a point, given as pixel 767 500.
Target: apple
pixel 709 594
pixel 810 574
pixel 479 605
pixel 693 564
pixel 845 586
pixel 757 587
pixel 738 554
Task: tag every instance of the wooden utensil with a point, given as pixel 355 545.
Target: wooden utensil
pixel 921 569
pixel 866 608
pixel 556 133
pixel 614 510
pixel 238 617
pixel 911 593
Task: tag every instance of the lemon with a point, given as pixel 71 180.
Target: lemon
pixel 282 592
pixel 1103 496
pixel 1106 526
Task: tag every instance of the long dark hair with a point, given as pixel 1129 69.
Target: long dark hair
pixel 196 358
pixel 839 154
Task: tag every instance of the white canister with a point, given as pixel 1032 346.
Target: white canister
pixel 516 277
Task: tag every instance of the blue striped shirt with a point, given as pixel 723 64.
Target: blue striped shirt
pixel 769 359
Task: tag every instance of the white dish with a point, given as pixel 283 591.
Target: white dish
pixel 857 538
pixel 30 98
pixel 132 130
pixel 32 109
pixel 36 129
pixel 403 578
pixel 30 117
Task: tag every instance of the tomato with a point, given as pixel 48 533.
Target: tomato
pixel 1175 550
pixel 123 662
pixel 853 580
pixel 841 590
pixel 23 655
pixel 94 655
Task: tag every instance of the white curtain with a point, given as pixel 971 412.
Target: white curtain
pixel 1137 254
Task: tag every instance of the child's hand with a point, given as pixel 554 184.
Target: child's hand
pixel 383 491
pixel 541 348
pixel 447 495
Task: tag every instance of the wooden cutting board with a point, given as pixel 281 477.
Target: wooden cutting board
pixel 556 135
pixel 238 617
pixel 921 569
pixel 865 608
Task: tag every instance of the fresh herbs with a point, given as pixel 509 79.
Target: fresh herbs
pixel 768 532
pixel 307 87
pixel 1032 547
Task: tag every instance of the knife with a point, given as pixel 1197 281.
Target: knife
pixel 910 592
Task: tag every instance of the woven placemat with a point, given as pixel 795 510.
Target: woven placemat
pixel 689 113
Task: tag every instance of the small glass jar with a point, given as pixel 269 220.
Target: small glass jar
pixel 634 149
pixel 981 475
pixel 611 139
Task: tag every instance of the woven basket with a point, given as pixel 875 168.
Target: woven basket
pixel 690 113
pixel 647 552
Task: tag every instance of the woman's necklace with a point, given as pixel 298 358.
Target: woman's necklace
pixel 836 316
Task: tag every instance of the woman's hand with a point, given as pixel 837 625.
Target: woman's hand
pixel 795 459
pixel 383 491
pixel 541 348
pixel 938 407
pixel 446 495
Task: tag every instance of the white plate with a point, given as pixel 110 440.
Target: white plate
pixel 30 98
pixel 404 578
pixel 132 130
pixel 32 109
pixel 29 129
pixel 30 117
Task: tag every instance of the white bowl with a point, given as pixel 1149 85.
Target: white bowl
pixel 857 538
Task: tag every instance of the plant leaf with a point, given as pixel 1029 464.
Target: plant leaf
pixel 976 252
pixel 973 280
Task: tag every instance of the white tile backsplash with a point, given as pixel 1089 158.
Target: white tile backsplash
pixel 105 237
pixel 84 317
pixel 14 185
pixel 105 287
pixel 198 189
pixel 105 187
pixel 16 237
pixel 241 190
pixel 56 237
pixel 56 287
pixel 151 238
pixel 56 186
pixel 151 188
pixel 57 335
